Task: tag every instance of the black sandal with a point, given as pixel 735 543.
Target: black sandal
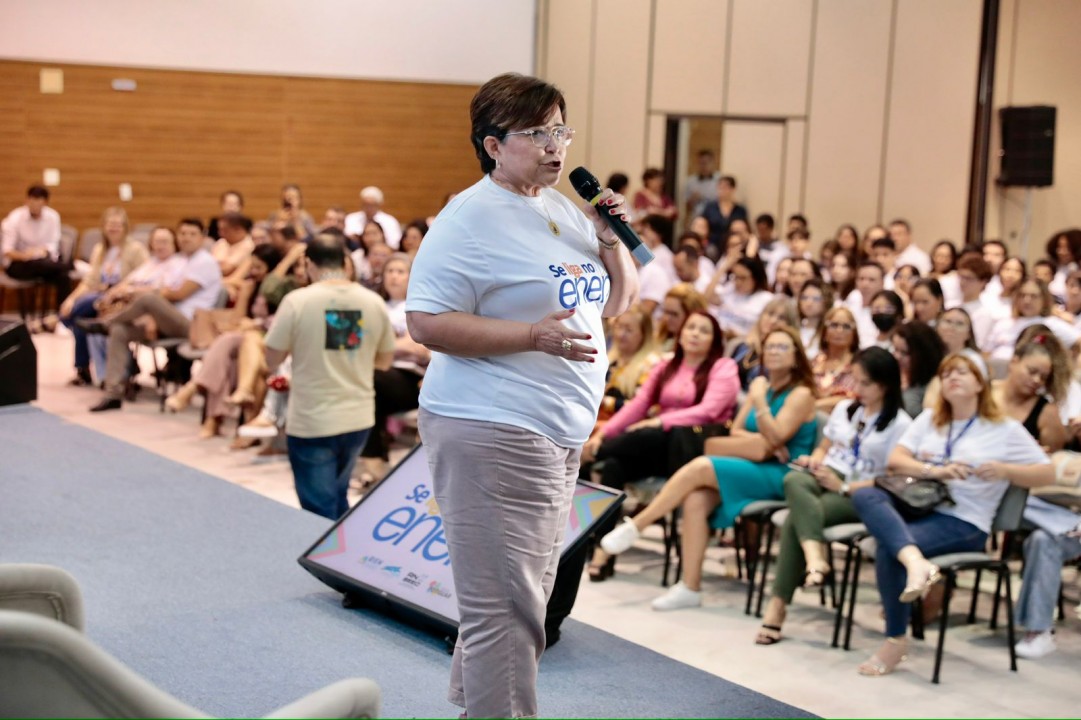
pixel 600 573
pixel 768 635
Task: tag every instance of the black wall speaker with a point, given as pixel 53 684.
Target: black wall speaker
pixel 1028 146
pixel 18 364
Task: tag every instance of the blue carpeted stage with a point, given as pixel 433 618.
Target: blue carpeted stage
pixel 193 582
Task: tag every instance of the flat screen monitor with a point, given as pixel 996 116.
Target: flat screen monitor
pixel 390 546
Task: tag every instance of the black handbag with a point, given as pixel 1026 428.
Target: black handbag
pixel 915 497
pixel 686 442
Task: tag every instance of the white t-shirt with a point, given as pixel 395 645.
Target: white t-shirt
pixel 491 254
pixel 657 278
pixel 203 270
pixel 1071 408
pixel 392 229
pixel 738 312
pixel 811 345
pixel 951 290
pixel 1004 336
pixel 874 445
pixel 20 231
pixel 984 441
pixel 915 256
pixel 983 322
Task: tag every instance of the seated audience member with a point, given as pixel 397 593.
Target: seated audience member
pixel 1064 250
pixel 973 274
pixel 30 247
pixel 869 236
pixel 832 367
pixel 376 261
pixel 969 443
pixel 869 282
pixel 630 360
pixel 231 202
pixel 1071 307
pixel 688 269
pixel 332 398
pixel 371 209
pixel 651 199
pixel 234 360
pixel 260 234
pixel 742 298
pixel 802 270
pixel 815 299
pixel 797 242
pixel 698 386
pixel 887 312
pixel 169 309
pixel 767 241
pixel 848 240
pixel 856 442
pixel 1036 378
pixel 720 212
pixel 843 280
pixel 779 286
pixel 904 279
pixel 1044 271
pixel 412 236
pixel 919 350
pixel 292 212
pixel 659 276
pixel 884 252
pixel 748 354
pixel 1054 541
pixel 115 256
pixel 233 251
pixel 1032 305
pixel 995 253
pixel 678 303
pixel 397 389
pixel 775 424
pixel 1011 273
pixel 957 331
pixel 944 269
pixel 908 252
pixel 927 301
pixel 825 257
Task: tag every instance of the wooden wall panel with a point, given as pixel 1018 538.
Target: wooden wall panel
pixel 184 137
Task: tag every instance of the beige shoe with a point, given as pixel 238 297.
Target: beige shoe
pixel 210 428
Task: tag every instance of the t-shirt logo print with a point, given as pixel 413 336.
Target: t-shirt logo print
pixel 345 328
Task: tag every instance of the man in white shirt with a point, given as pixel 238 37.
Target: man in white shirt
pixel 797 242
pixel 371 206
pixel 973 272
pixel 994 252
pixel 686 262
pixel 884 252
pixel 702 186
pixel 165 312
pixel 30 243
pixel 907 252
pixel 869 281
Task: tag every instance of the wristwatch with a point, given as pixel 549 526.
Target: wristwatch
pixel 845 488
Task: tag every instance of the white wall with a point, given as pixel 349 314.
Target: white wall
pixel 423 40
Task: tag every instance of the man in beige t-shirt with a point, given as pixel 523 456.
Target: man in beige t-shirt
pixel 338 333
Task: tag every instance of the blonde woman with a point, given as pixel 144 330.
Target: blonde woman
pixel 678 303
pixel 833 365
pixel 630 360
pixel 111 260
pixel 748 354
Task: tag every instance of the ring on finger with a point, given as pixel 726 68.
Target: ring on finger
pixel 567 345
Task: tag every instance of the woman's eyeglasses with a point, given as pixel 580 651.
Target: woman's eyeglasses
pixel 561 135
pixel 840 326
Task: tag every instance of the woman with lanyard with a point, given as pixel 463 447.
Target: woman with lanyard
pixel 856 442
pixel 967 442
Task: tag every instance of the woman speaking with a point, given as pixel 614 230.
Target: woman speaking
pixel 508 291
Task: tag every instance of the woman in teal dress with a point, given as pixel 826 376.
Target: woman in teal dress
pixel 775 423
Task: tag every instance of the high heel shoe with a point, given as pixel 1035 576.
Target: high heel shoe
pixel 600 573
pixel 915 591
pixel 817 579
pixel 875 666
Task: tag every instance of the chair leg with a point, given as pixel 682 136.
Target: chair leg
pixel 1004 570
pixel 998 595
pixel 916 621
pixel 752 563
pixel 951 581
pixel 852 594
pixel 666 529
pixel 769 529
pixel 839 601
pixel 975 596
pixel 738 544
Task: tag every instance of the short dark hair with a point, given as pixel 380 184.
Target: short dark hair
pixel 327 250
pixel 288 232
pixel 798 233
pixel 651 173
pixel 691 250
pixel 1005 250
pixel 660 225
pixel 872 264
pixel 196 222
pixel 508 101
pixel 705 151
pixel 886 242
pixel 1044 262
pixel 269 254
pixel 902 222
pixel 235 219
pixel 618 182
pixel 38 191
pixel 727 179
pixel 688 237
pixel 227 193
pixel 798 218
pixel 764 219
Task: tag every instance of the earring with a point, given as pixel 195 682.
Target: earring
pixel 496 163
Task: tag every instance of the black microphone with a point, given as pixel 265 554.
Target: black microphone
pixel 587 185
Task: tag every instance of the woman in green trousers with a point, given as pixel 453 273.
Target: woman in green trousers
pixel 855 446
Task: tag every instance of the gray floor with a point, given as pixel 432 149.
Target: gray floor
pixel 802 670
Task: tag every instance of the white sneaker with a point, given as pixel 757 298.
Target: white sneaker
pixel 260 427
pixel 621 538
pixel 679 596
pixel 1037 645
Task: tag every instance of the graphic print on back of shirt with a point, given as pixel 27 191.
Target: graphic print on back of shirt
pixel 345 329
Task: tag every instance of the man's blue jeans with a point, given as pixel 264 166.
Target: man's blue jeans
pixel 321 470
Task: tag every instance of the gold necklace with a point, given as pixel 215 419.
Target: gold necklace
pixel 551 223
